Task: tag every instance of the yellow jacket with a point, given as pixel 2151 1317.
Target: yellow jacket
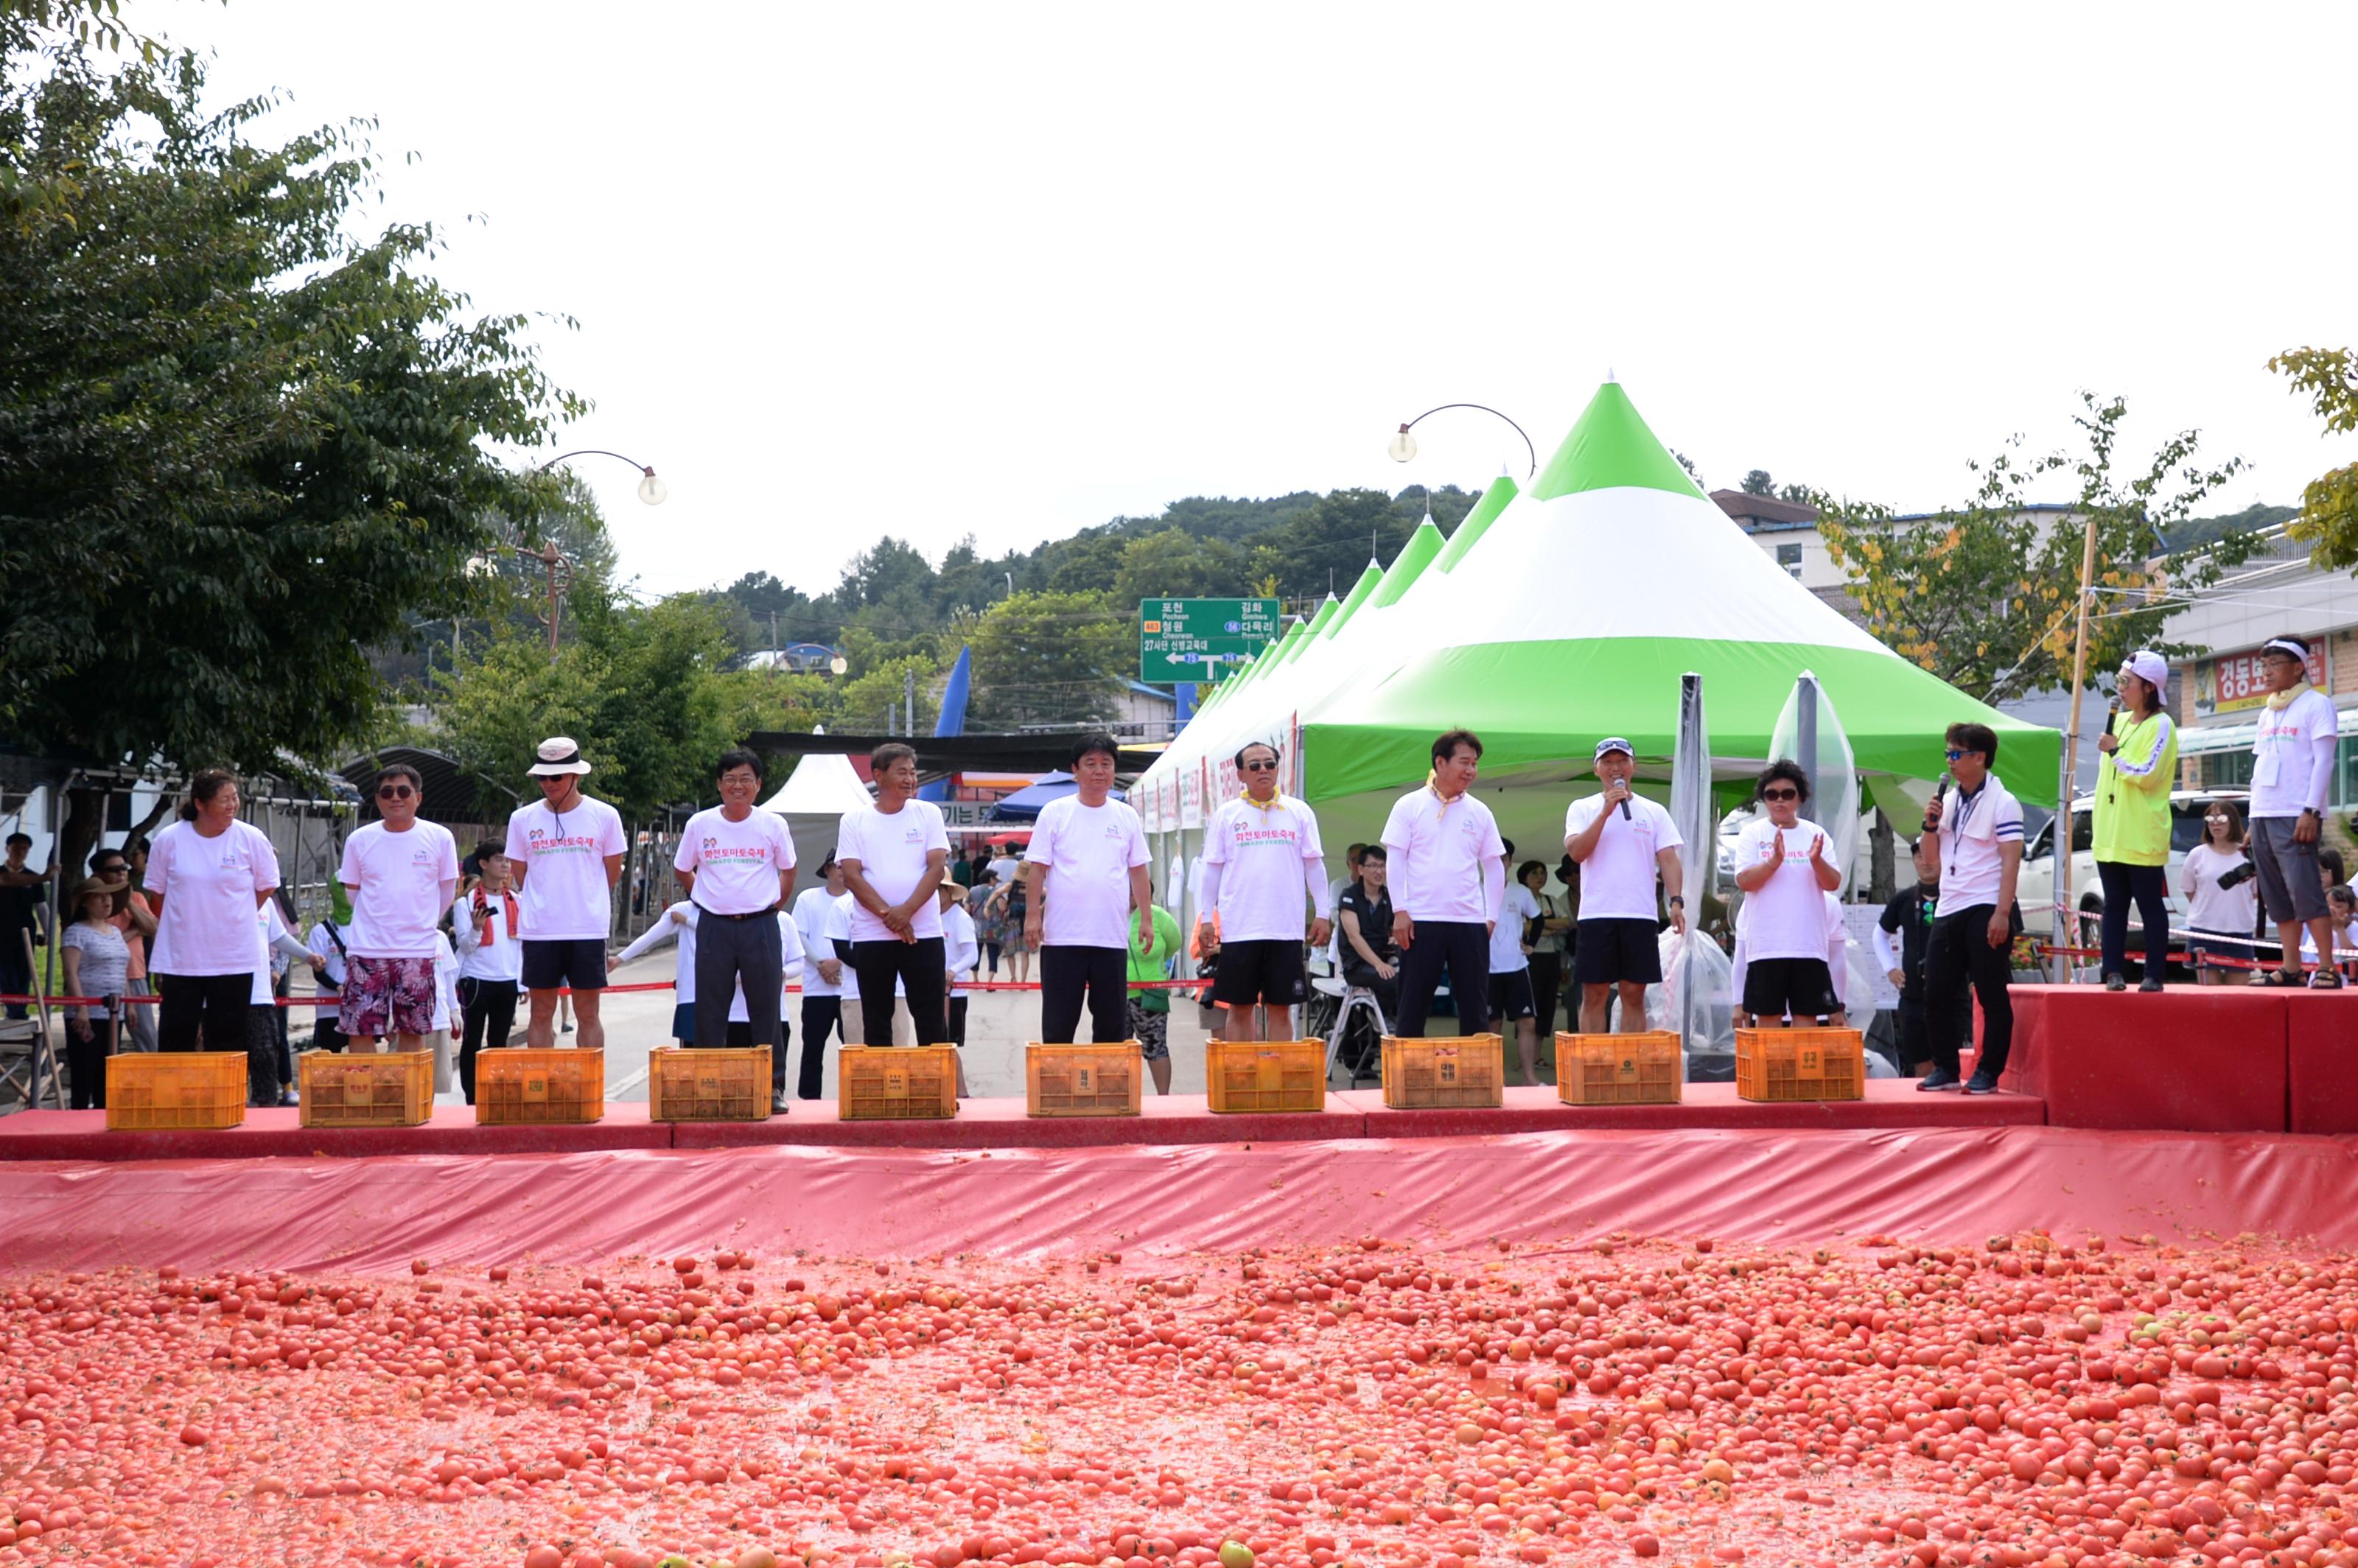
pixel 2133 792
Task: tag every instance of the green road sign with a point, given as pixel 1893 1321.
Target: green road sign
pixel 1201 639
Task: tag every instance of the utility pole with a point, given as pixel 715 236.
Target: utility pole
pixel 909 689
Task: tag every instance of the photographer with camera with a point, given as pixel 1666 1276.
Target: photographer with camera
pixel 2222 895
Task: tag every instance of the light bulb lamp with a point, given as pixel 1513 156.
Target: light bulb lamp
pixel 1403 445
pixel 652 491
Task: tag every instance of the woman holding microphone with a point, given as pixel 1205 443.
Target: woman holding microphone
pixel 2131 830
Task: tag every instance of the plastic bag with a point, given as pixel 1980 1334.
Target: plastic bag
pixel 1833 803
pixel 1696 997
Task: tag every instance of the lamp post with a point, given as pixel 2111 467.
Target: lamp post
pixel 652 491
pixel 1403 445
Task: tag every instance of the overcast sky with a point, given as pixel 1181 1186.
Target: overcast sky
pixel 844 270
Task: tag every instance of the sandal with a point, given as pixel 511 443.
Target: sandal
pixel 2276 980
pixel 2325 980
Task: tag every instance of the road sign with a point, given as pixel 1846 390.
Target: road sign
pixel 1200 639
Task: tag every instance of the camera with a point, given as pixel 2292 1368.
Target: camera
pixel 2239 876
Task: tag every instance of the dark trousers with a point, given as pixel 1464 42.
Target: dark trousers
pixel 1463 947
pixel 15 974
pixel 1959 953
pixel 210 1006
pixel 728 951
pixel 2148 886
pixel 489 1007
pixel 1547 981
pixel 86 1064
pixel 1070 975
pixel 263 1085
pixel 327 1027
pixel 919 967
pixel 957 1021
pixel 822 1016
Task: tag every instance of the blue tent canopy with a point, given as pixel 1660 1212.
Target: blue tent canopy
pixel 1024 804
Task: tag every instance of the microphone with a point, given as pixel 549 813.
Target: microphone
pixel 1625 808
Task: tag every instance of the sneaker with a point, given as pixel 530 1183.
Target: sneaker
pixel 2152 983
pixel 1982 1084
pixel 1936 1080
pixel 2114 983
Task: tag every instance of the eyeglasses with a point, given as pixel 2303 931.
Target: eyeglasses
pixel 2216 821
pixel 1257 767
pixel 1954 754
pixel 395 792
pixel 1780 795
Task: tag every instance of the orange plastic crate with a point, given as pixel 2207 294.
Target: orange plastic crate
pixel 708 1085
pixel 1619 1069
pixel 359 1088
pixel 1799 1064
pixel 1265 1074
pixel 151 1092
pixel 1445 1071
pixel 519 1084
pixel 896 1083
pixel 1083 1080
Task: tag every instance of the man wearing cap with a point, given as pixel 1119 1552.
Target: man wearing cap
pixel 1447 866
pixel 1622 841
pixel 2292 766
pixel 566 853
pixel 1263 878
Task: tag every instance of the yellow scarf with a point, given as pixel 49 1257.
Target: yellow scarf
pixel 2280 700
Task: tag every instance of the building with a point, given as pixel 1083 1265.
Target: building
pixel 2275 593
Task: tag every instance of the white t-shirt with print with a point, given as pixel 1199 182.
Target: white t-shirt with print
pixel 565 894
pixel 891 851
pixel 1616 880
pixel 1786 915
pixel 1437 851
pixel 398 883
pixel 736 864
pixel 208 886
pixel 1088 851
pixel 1271 866
pixel 1507 953
pixel 2286 756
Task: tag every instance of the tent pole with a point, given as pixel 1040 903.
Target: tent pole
pixel 2064 906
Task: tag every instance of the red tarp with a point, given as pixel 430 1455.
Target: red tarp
pixel 1946 1184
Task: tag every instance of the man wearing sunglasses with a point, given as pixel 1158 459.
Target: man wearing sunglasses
pixel 1264 873
pixel 401 874
pixel 1979 831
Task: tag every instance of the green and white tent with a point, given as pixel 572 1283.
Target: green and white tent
pixel 1572 616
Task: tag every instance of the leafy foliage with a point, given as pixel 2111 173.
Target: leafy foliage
pixel 2329 507
pixel 1983 594
pixel 1050 657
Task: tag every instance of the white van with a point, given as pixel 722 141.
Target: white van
pixel 2036 889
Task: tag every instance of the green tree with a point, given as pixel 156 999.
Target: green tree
pixel 1984 594
pixel 1051 658
pixel 2327 522
pixel 239 447
pixel 1757 483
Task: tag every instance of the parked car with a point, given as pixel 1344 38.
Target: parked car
pixel 2036 889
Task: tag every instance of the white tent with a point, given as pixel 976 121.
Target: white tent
pixel 813 800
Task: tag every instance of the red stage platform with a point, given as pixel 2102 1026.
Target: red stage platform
pixel 1002 1124
pixel 2194 1058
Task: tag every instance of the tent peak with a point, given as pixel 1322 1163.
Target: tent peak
pixel 1610 446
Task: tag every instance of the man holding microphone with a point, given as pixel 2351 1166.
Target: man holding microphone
pixel 1978 827
pixel 1621 842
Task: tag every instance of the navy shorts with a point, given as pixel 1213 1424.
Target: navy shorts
pixel 579 962
pixel 1803 987
pixel 1267 974
pixel 1606 952
pixel 1510 997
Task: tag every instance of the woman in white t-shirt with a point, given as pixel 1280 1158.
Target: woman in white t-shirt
pixel 1783 867
pixel 2223 897
pixel 207 875
pixel 97 962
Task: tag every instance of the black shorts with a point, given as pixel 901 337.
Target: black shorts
pixel 1510 997
pixel 1265 973
pixel 1613 951
pixel 577 961
pixel 1802 987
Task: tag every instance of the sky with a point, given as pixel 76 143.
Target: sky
pixel 842 271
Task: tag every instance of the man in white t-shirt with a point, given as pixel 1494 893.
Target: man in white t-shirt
pixel 1263 874
pixel 1783 868
pixel 401 873
pixel 1622 842
pixel 737 865
pixel 2292 769
pixel 894 855
pixel 822 979
pixel 1979 826
pixel 1447 870
pixel 1514 1005
pixel 566 852
pixel 1085 875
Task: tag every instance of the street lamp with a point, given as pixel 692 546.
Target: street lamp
pixel 1402 445
pixel 652 491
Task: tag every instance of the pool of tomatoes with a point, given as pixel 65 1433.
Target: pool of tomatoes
pixel 2035 1400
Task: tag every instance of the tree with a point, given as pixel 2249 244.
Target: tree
pixel 2327 522
pixel 1983 594
pixel 239 447
pixel 1051 658
pixel 1757 483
